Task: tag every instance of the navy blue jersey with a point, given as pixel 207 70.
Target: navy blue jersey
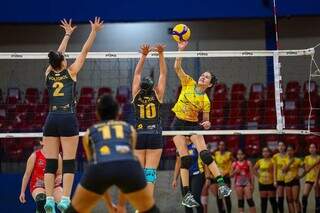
pixel 61 89
pixel 147 113
pixel 110 141
pixel 196 166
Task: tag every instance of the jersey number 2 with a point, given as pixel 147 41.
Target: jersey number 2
pixel 106 131
pixel 58 87
pixel 148 111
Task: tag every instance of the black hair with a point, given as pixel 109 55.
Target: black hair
pixel 214 79
pixel 147 84
pixel 55 59
pixel 107 107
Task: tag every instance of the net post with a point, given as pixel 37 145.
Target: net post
pixel 278 92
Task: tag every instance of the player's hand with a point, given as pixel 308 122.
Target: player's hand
pixel 206 124
pixel 182 45
pixel 22 197
pixel 97 25
pixel 67 26
pixel 145 49
pixel 174 184
pixel 159 48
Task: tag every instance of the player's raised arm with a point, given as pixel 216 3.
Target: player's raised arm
pixel 26 177
pixel 95 27
pixel 68 28
pixel 144 50
pixel 177 64
pixel 161 87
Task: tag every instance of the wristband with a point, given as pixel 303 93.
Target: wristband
pixel 67 34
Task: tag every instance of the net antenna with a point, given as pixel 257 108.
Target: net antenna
pixel 275 54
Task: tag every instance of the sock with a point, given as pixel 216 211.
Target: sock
pixel 273 203
pixel 49 198
pixel 264 204
pixel 304 203
pixel 65 198
pixel 185 190
pixel 280 204
pixel 228 204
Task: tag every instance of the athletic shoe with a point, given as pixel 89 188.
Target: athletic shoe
pixel 189 201
pixel 50 205
pixel 64 204
pixel 224 191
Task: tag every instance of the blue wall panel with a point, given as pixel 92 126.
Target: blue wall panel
pixel 50 11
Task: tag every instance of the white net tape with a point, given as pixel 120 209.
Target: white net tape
pixel 280 127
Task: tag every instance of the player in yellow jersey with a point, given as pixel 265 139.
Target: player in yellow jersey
pixel 291 180
pixel 264 171
pixel 312 170
pixel 192 101
pixel 223 160
pixel 279 162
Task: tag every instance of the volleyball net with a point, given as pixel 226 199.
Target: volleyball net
pixel 258 93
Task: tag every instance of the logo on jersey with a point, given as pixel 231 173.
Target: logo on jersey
pixel 140 126
pixel 151 126
pixel 104 150
pixel 122 149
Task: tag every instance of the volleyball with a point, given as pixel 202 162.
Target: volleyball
pixel 181 32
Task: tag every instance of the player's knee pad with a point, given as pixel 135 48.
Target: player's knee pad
pixel 206 157
pixel 71 209
pixel 40 200
pixel 250 202
pixel 154 209
pixel 68 166
pixel 150 174
pixel 241 203
pixel 51 166
pixel 186 162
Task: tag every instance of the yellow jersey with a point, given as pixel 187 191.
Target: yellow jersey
pixel 265 174
pixel 309 161
pixel 293 170
pixel 190 103
pixel 279 162
pixel 224 162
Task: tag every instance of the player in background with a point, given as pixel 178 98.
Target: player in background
pixel 279 162
pixel 264 171
pixel 243 174
pixel 34 173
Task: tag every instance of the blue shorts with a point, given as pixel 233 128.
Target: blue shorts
pixel 61 125
pixel 149 141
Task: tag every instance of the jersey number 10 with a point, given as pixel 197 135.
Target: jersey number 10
pixel 148 111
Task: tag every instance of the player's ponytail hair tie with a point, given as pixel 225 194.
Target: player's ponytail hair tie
pixel 55 59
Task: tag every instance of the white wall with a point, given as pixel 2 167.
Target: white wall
pixel 206 35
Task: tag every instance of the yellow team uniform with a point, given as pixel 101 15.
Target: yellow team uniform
pixel 265 174
pixel 293 171
pixel 279 161
pixel 224 162
pixel 190 103
pixel 309 161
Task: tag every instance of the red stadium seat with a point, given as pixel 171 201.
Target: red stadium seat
pixel 218 108
pixel 217 123
pixel 252 145
pixel 271 142
pixel 104 90
pixel 293 140
pixel 220 92
pixel 123 94
pixel 238 91
pixel 232 143
pixel 292 122
pixel 32 96
pixel 87 92
pixel 256 92
pixel 234 123
pixel 291 107
pixel 254 119
pixel 292 90
pixel 169 149
pixel 85 100
pixel 270 92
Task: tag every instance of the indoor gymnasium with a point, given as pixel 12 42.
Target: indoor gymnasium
pixel 172 106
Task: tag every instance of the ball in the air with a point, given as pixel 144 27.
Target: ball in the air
pixel 181 32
